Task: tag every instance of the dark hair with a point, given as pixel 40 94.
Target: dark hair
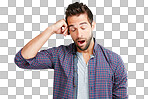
pixel 77 9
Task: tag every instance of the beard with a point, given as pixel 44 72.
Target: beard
pixel 87 42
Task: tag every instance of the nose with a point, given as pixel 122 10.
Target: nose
pixel 79 34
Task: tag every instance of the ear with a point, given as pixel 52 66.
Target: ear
pixel 93 25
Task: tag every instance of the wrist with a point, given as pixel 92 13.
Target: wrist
pixel 51 29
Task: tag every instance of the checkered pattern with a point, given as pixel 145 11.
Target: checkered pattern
pixel 122 26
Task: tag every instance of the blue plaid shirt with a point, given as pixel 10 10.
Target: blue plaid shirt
pixel 107 75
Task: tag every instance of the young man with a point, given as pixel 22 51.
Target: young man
pixel 83 69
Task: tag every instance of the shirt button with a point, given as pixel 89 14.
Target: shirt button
pixel 75 85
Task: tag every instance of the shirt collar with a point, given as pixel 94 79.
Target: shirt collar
pixel 74 49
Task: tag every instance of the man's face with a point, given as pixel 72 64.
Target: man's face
pixel 80 30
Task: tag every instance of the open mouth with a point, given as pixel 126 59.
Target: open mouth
pixel 81 42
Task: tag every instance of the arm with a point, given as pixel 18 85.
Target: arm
pixel 31 49
pixel 120 81
pixel 29 57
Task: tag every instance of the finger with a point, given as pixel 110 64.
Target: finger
pixel 65 32
pixel 64 23
pixel 62 28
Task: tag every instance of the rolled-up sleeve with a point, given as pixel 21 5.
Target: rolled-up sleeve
pixel 120 81
pixel 43 60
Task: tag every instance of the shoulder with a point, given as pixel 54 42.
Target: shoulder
pixel 113 58
pixel 110 54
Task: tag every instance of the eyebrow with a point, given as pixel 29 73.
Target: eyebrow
pixel 83 23
pixel 79 24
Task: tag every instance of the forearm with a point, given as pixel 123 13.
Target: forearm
pixel 32 47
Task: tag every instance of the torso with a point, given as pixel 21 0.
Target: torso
pixel 86 57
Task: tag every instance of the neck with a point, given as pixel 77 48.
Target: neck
pixel 90 48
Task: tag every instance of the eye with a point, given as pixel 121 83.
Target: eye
pixel 72 29
pixel 83 28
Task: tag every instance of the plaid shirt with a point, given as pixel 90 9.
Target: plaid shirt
pixel 107 75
